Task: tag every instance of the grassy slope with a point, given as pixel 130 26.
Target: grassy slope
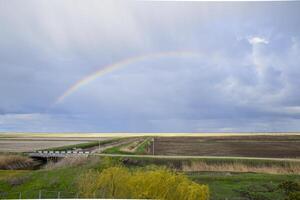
pixel 63 179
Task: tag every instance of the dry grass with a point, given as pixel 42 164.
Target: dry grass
pixel 71 162
pixel 15 162
pixel 292 168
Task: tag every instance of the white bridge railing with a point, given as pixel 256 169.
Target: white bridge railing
pixel 59 153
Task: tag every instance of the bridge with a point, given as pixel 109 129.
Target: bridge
pixel 57 154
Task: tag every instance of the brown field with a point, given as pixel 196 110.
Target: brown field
pixel 27 144
pixel 33 145
pixel 240 146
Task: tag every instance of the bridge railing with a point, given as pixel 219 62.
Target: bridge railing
pixel 41 153
pixel 62 152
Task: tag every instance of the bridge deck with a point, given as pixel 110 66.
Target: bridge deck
pixel 58 154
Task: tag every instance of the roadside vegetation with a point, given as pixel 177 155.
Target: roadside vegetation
pixel 279 167
pixel 220 164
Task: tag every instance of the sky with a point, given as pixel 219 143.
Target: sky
pixel 149 66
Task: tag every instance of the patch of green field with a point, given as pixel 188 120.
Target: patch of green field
pixel 141 149
pixel 117 150
pixel 231 185
pixel 6 174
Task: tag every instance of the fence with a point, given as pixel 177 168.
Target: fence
pixel 47 194
pixel 38 194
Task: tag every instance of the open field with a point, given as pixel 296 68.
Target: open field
pixel 126 134
pixel 27 144
pixel 230 145
pixel 269 146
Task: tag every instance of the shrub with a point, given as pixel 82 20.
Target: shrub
pixel 289 187
pixel 119 182
pixel 87 185
pixel 293 196
pixel 16 181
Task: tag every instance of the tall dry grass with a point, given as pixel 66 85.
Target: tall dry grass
pixel 71 162
pixel 16 162
pixel 291 168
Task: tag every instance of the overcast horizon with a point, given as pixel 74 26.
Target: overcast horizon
pixel 133 66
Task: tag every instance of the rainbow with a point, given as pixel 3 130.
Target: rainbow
pixel 109 68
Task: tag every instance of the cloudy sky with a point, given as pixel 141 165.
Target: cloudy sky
pixel 133 66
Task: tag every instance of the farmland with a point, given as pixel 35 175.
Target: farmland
pixel 278 146
pixel 32 142
pixel 232 166
pixel 26 144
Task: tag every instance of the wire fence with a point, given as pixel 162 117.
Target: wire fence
pixel 48 194
pixel 39 194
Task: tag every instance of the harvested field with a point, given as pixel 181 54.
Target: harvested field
pixel 33 145
pixel 240 146
pixel 85 139
pixel 27 144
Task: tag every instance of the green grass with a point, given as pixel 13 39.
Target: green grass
pixel 61 179
pixel 117 150
pixel 5 174
pixel 142 148
pixel 227 185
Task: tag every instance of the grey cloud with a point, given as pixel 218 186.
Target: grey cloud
pixel 46 46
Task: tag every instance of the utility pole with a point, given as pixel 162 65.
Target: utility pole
pixel 153 146
pixel 99 146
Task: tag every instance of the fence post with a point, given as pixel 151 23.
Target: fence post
pixel 40 194
pixel 77 195
pixel 58 195
pixel 20 195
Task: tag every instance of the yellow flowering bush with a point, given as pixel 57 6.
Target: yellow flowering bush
pixel 119 182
